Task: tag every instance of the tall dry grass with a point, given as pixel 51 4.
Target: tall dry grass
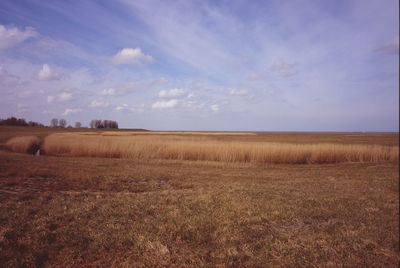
pixel 185 133
pixel 192 148
pixel 24 144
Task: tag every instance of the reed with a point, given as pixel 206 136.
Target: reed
pixel 201 149
pixel 24 144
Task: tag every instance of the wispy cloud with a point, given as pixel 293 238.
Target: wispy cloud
pixel 7 79
pixel 176 29
pixel 172 93
pixel 130 108
pixel 391 48
pixel 99 104
pixel 109 92
pixel 120 90
pixel 70 111
pixel 230 66
pixel 238 92
pixel 283 68
pixel 12 36
pixel 62 97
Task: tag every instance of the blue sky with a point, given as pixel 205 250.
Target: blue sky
pixel 203 65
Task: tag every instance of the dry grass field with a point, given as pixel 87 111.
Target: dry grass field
pixel 146 209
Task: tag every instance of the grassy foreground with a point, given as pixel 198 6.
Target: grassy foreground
pixel 101 212
pixel 91 212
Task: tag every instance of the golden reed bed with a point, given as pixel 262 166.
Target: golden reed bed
pixel 24 144
pixel 196 149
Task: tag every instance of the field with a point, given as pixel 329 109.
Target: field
pixel 198 199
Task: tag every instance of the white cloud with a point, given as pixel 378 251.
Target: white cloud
pixel 162 80
pixel 69 111
pixel 165 104
pixel 283 68
pixel 120 90
pixel 99 104
pixel 172 93
pixel 192 104
pixel 121 108
pixel 109 92
pixel 238 92
pixel 131 56
pixel 125 107
pixel 64 96
pixel 256 76
pixel 25 93
pixel 46 73
pixel 22 108
pixel 12 36
pixel 392 48
pixel 50 98
pixel 214 107
pixel 20 105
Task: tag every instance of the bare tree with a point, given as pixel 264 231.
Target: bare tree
pixel 95 123
pixel 54 122
pixel 103 124
pixel 106 123
pixel 78 125
pixel 113 124
pixel 62 123
pixel 110 124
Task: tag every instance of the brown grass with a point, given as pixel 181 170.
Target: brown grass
pixel 180 147
pixel 141 212
pixel 24 144
pixel 109 212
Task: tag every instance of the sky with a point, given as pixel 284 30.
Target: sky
pixel 238 65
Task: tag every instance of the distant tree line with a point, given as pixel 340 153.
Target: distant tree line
pixel 55 122
pixel 95 123
pixel 62 123
pixel 13 121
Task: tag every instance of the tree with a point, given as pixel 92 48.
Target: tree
pixel 13 121
pixel 54 122
pixel 113 124
pixel 78 125
pixel 103 124
pixel 62 123
pixel 34 124
pixel 95 123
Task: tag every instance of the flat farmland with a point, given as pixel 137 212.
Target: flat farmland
pixel 156 201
